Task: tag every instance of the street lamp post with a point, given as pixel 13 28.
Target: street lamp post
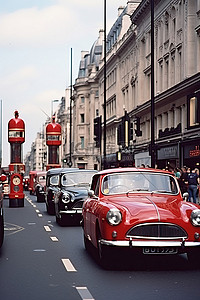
pixel 104 144
pixel 70 121
pixel 52 101
pixel 153 148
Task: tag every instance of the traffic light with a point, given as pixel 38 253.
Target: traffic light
pixel 65 160
pixel 138 132
pixel 97 131
pixel 123 136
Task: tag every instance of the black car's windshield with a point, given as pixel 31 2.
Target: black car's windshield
pixel 139 182
pixel 77 178
pixel 54 180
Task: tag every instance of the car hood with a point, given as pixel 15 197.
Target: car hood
pixel 152 207
pixel 77 191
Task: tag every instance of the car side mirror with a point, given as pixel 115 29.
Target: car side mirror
pixel 185 196
pixel 91 194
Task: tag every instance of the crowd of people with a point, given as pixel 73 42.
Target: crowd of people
pixel 189 181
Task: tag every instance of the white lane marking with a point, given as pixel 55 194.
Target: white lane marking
pixel 37 210
pixel 47 228
pixel 84 293
pixel 39 215
pixel 54 238
pixel 68 265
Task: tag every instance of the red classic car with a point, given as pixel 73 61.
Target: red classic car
pixel 142 210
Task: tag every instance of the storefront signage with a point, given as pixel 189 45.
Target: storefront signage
pixel 192 151
pixel 168 152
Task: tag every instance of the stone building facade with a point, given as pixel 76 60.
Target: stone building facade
pixel 128 86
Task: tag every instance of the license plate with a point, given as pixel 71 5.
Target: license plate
pixel 159 250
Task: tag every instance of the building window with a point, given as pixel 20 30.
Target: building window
pixel 193 110
pixel 82 142
pixel 82 118
pixel 82 99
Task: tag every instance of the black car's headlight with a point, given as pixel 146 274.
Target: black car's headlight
pixel 41 188
pixel 195 217
pixel 66 198
pixel 114 216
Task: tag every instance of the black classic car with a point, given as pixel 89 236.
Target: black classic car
pixel 2 179
pixel 52 183
pixel 71 193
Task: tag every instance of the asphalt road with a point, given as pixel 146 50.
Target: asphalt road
pixel 41 260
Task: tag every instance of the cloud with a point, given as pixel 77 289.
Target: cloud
pixel 20 78
pixel 32 26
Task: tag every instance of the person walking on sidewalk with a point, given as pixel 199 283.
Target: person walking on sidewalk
pixel 193 181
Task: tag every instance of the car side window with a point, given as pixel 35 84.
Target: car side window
pixel 96 190
pixel 54 180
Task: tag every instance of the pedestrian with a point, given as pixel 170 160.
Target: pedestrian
pixel 183 180
pixel 177 173
pixel 193 181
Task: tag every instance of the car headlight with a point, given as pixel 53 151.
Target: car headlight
pixel 66 198
pixel 195 217
pixel 114 216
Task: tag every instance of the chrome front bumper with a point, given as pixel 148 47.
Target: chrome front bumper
pixel 71 211
pixel 132 243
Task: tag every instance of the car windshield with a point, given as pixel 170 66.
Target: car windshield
pixel 139 182
pixel 54 180
pixel 42 178
pixel 77 178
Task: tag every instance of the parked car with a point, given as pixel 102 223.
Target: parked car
pixel 72 192
pixel 32 176
pixel 2 179
pixel 26 182
pixel 39 187
pixel 141 210
pixel 52 182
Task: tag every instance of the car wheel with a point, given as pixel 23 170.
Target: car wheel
pixel 60 220
pixel 87 243
pixel 1 231
pixel 102 252
pixel 193 257
pixel 50 209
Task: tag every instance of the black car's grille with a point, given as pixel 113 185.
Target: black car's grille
pixel 157 231
pixel 78 204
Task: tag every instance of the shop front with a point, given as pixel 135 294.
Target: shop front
pixel 168 157
pixel 191 153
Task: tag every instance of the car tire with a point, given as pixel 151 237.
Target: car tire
pixel 50 209
pixel 87 243
pixel 60 220
pixel 102 252
pixel 1 231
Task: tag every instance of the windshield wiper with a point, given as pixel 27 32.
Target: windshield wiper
pixel 137 190
pixel 161 191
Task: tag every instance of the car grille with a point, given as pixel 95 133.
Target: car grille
pixel 157 231
pixel 78 204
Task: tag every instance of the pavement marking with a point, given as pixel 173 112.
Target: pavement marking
pixel 37 210
pixel 39 215
pixel 84 293
pixel 39 250
pixel 12 228
pixel 47 228
pixel 54 238
pixel 68 265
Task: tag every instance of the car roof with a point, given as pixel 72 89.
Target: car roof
pixel 56 171
pixel 132 169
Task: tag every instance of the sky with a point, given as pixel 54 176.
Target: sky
pixel 36 37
